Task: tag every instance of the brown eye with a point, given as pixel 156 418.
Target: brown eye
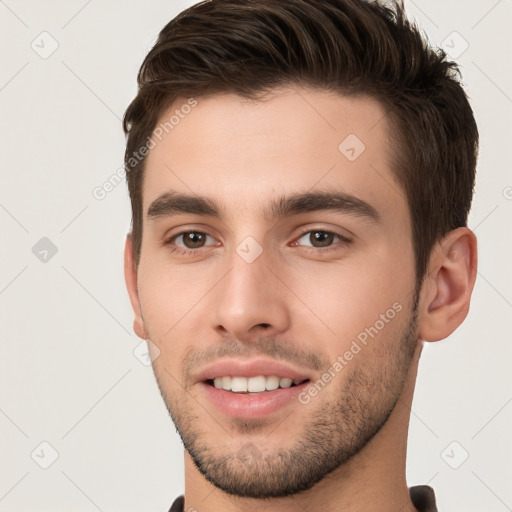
pixel 319 238
pixel 192 239
pixel 190 243
pixel 189 240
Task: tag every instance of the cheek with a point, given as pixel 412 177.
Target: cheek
pixel 167 294
pixel 174 303
pixel 342 299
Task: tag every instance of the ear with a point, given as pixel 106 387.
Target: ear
pixel 446 291
pixel 130 276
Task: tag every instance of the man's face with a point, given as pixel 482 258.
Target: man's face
pixel 323 286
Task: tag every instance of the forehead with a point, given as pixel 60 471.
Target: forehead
pixel 242 153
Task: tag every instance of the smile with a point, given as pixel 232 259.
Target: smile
pixel 256 384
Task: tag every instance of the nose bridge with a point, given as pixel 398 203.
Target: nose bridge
pixel 249 295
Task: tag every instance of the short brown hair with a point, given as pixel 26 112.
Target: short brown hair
pixel 352 47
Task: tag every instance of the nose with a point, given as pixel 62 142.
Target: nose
pixel 250 301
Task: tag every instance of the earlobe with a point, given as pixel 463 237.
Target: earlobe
pixel 446 292
pixel 130 276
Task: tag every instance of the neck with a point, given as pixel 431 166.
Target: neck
pixel 374 478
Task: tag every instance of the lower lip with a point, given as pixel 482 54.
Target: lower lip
pixel 247 406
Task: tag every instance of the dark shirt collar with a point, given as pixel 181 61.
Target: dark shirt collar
pixel 422 497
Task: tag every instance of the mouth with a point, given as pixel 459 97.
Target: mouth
pixel 249 398
pixel 251 389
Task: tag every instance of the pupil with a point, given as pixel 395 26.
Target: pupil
pixel 321 238
pixel 193 240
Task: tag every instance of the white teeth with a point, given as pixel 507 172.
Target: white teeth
pixel 239 384
pixel 253 384
pixel 226 383
pixel 272 383
pixel 256 384
pixel 285 383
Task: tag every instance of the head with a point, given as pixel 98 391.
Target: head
pixel 254 122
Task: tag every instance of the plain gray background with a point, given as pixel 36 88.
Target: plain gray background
pixel 69 376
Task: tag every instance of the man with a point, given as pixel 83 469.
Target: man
pixel 300 174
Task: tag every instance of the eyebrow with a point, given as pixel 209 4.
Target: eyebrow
pixel 174 203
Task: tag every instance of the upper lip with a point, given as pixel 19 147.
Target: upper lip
pixel 252 368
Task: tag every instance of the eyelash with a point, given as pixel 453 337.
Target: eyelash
pixel 189 252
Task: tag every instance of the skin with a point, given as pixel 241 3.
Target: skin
pixel 345 449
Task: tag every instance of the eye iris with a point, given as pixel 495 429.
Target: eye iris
pixel 193 240
pixel 321 238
